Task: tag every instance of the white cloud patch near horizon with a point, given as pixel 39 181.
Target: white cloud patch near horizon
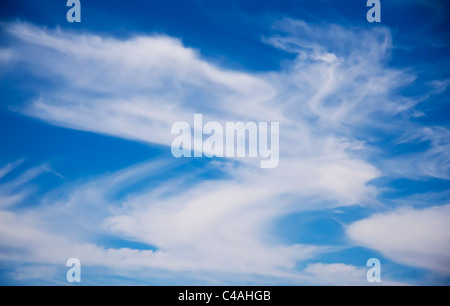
pixel 416 237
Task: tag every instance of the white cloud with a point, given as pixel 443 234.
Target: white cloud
pixel 26 240
pixel 18 189
pixel 45 253
pixel 159 81
pixel 5 55
pixel 433 161
pixel 440 86
pixel 336 274
pixel 9 167
pixel 138 87
pixel 409 236
pixel 342 275
pixel 134 88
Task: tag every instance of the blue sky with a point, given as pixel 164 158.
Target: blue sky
pixel 86 169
